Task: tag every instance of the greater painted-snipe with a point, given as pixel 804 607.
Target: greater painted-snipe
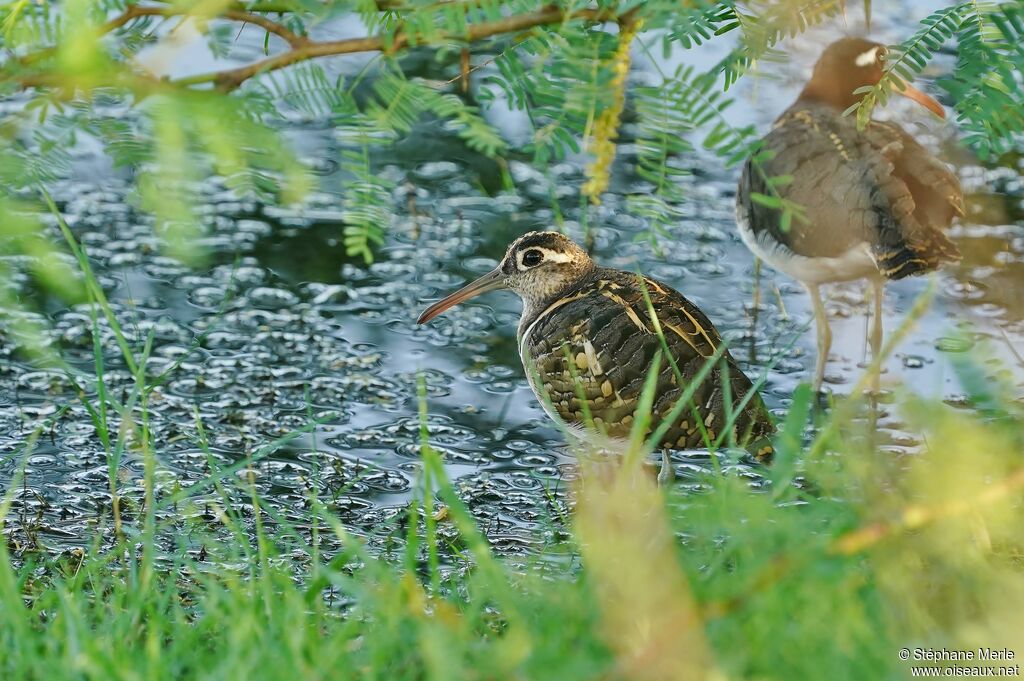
pixel 588 331
pixel 876 202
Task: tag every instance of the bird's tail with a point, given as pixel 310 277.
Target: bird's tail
pixel 918 256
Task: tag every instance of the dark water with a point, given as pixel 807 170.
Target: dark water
pixel 281 329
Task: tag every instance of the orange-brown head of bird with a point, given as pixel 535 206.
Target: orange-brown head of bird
pixel 852 63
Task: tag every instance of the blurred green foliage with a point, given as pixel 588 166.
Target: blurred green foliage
pixel 95 68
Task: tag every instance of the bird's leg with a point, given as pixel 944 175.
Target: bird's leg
pixel 878 289
pixel 824 335
pixel 667 473
pixel 754 313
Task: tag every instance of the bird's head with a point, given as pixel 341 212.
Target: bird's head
pixel 537 266
pixel 852 63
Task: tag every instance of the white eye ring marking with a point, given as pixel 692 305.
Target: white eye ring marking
pixel 549 256
pixel 867 58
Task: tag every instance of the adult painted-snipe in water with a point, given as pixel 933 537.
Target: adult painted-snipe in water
pixel 876 202
pixel 588 330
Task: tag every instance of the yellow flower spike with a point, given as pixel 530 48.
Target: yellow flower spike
pixel 606 127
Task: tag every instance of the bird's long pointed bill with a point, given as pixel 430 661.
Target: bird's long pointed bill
pixel 491 281
pixel 924 100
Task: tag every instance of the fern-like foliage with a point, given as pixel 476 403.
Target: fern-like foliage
pixel 25 23
pixel 551 60
pixel 908 59
pixel 662 129
pixel 689 105
pixel 367 200
pixel 985 87
pixel 763 25
pixel 305 88
pixel 401 102
pixel 561 79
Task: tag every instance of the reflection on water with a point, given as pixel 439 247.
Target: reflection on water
pixel 290 332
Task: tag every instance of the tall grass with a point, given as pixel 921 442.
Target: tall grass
pixel 825 568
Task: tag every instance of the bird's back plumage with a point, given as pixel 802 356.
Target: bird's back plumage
pixel 598 339
pixel 876 190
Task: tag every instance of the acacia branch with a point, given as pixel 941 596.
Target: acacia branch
pixel 303 49
pixel 135 11
pixel 230 79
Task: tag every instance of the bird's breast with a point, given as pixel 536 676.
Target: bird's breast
pixel 579 354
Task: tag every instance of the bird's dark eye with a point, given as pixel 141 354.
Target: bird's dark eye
pixel 532 258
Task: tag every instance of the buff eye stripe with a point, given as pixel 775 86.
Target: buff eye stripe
pixel 548 256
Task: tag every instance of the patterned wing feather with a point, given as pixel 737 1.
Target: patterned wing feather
pixel 603 345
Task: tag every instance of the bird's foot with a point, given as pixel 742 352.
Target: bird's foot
pixel 822 398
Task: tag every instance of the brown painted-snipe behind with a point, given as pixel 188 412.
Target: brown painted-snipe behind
pixel 876 202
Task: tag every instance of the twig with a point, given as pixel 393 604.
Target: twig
pixel 135 11
pixel 230 79
pixel 302 48
pixel 917 515
pixel 289 36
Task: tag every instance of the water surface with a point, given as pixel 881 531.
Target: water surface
pixel 281 329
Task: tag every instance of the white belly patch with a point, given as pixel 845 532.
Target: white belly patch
pixel 855 263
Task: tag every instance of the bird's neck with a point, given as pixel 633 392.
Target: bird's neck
pixel 834 94
pixel 539 299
